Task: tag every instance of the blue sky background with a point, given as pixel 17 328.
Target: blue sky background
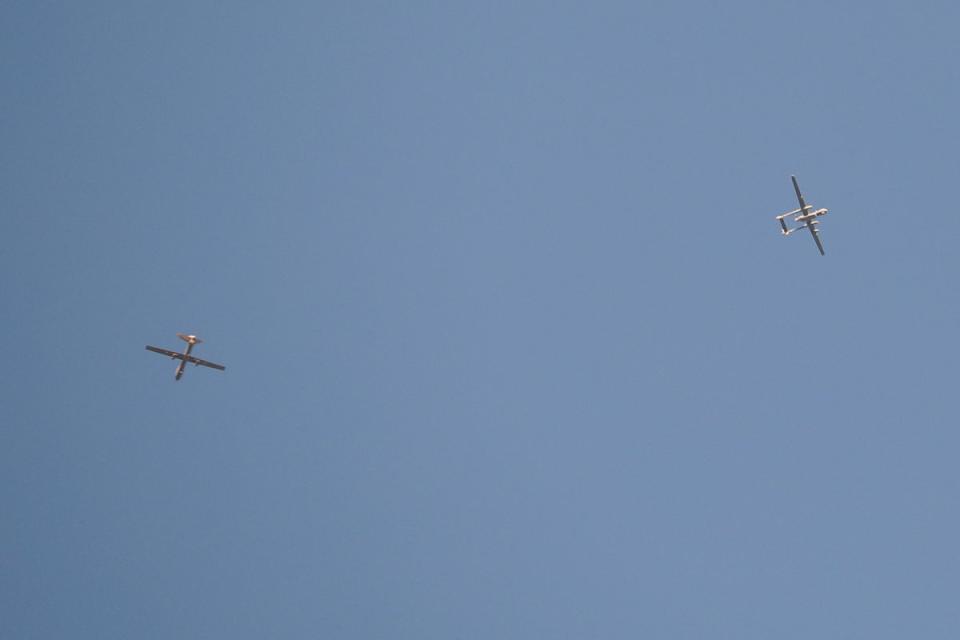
pixel 514 348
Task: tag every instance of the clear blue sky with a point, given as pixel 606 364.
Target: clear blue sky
pixel 514 348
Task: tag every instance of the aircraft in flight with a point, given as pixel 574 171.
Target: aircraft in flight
pixel 185 357
pixel 806 216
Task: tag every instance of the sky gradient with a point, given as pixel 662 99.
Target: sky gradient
pixel 514 348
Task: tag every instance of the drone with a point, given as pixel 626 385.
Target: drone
pixel 805 215
pixel 185 357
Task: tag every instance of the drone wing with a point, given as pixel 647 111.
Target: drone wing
pixel 816 236
pixel 796 187
pixel 204 363
pixel 165 352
